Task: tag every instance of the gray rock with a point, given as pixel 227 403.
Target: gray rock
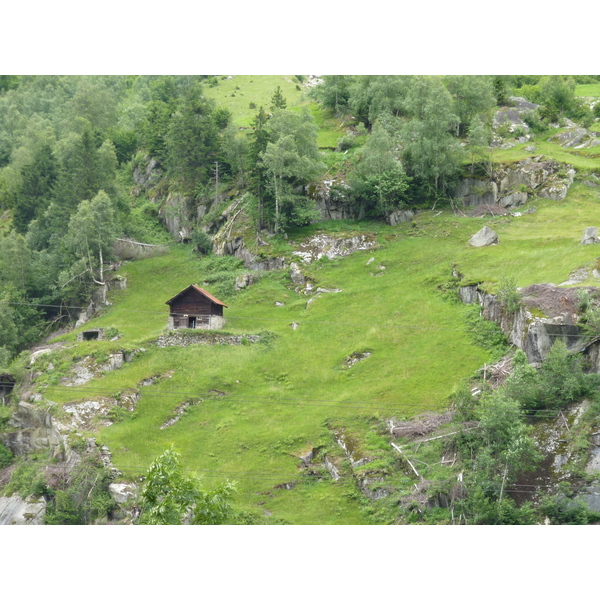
pixel 243 281
pixel 590 236
pixel 16 511
pixel 475 191
pixel 296 274
pixel 122 492
pixel 400 216
pixel 484 237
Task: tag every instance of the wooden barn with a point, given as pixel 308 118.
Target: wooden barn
pixel 195 308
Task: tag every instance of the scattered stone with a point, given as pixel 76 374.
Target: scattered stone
pixel 279 304
pixel 296 274
pixel 295 326
pixel 370 260
pixel 590 236
pixel 484 237
pixel 354 358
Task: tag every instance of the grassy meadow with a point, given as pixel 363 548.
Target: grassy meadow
pixel 255 409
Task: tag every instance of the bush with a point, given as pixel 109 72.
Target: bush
pixel 26 480
pixel 508 295
pixel 6 456
pixel 486 334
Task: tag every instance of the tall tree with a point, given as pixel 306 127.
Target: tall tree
pixel 258 175
pixel 291 159
pixel 431 151
pixel 277 100
pixel 379 181
pixel 38 179
pixel 193 139
pixel 473 95
pixel 91 232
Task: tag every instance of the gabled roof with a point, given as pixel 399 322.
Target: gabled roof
pixel 198 289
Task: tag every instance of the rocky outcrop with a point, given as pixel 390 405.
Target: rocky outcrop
pixel 535 335
pixel 512 185
pixel 146 175
pixel 126 249
pixel 484 237
pixel 576 138
pixel 333 247
pixel 14 510
pixel 31 429
pixel 331 199
pixel 400 216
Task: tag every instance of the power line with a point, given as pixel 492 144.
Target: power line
pixel 303 322
pixel 554 412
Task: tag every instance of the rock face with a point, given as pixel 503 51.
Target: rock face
pixel 331 198
pixel 16 511
pixel 400 216
pixel 590 236
pixel 513 185
pixel 484 237
pixel 535 335
pixel 34 430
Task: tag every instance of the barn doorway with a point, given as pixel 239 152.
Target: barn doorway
pixel 192 322
pixel 91 335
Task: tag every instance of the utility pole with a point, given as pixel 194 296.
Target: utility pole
pixel 216 182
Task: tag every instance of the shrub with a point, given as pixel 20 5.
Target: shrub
pixel 508 295
pixel 486 334
pixel 6 456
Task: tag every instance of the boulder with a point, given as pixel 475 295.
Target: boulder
pixel 484 237
pixel 122 492
pixel 590 236
pixel 400 216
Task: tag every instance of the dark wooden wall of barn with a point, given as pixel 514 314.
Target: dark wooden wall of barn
pixel 194 303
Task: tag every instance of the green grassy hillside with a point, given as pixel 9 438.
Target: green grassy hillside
pixel 257 408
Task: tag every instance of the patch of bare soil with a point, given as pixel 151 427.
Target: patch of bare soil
pixel 554 301
pixel 488 210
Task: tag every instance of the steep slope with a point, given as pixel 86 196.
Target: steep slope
pixel 276 416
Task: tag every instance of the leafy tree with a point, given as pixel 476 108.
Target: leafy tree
pixel 334 92
pixel 91 233
pixel 373 95
pixel 169 496
pixel 558 93
pixel 291 159
pixel 432 153
pixel 235 151
pixel 85 169
pixel 379 181
pixel 478 144
pixel 473 95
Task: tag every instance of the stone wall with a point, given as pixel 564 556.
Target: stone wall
pixel 187 338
